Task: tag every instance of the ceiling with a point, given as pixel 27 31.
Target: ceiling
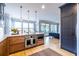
pixel 51 11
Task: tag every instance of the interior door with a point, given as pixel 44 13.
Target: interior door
pixel 68 30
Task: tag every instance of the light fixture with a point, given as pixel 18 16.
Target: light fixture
pixel 35 15
pixel 21 18
pixel 43 6
pixel 28 20
pixel 28 14
pixel 21 12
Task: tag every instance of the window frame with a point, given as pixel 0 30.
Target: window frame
pixel 50 23
pixel 22 25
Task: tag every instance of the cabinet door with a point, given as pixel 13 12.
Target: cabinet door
pixel 68 9
pixel 16 47
pixel 1 49
pixel 68 30
pixel 16 40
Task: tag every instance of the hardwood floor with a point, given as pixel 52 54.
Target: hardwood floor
pixel 55 45
pixel 29 51
pixel 51 43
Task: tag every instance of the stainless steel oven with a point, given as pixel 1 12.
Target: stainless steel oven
pixel 30 41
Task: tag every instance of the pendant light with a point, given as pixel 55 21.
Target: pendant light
pixel 21 12
pixel 35 15
pixel 35 19
pixel 28 13
pixel 43 6
pixel 21 18
pixel 28 20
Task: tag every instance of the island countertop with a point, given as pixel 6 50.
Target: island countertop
pixel 6 36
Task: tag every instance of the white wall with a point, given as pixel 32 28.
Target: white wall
pixel 78 29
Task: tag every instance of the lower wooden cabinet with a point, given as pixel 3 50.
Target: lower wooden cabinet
pixel 1 49
pixel 16 40
pixel 40 41
pixel 16 47
pixel 16 43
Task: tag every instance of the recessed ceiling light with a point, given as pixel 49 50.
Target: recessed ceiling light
pixel 43 6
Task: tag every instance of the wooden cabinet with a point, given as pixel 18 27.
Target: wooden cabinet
pixel 3 48
pixel 40 39
pixel 16 39
pixel 16 43
pixel 68 27
pixel 16 47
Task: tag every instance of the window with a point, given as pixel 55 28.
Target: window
pixel 18 27
pixel 1 21
pixel 28 28
pixel 1 32
pixel 25 28
pixel 49 27
pixel 1 28
pixel 31 28
pixel 45 28
pixel 54 28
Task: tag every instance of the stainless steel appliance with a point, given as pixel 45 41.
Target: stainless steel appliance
pixel 30 41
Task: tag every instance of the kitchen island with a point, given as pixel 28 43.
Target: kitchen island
pixel 15 43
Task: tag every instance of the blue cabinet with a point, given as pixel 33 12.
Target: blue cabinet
pixel 68 27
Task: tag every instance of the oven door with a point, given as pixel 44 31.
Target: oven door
pixel 33 41
pixel 27 43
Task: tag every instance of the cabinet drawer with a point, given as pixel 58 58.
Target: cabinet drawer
pixel 16 47
pixel 16 40
pixel 39 42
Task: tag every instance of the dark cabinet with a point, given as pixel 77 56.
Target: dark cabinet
pixel 68 27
